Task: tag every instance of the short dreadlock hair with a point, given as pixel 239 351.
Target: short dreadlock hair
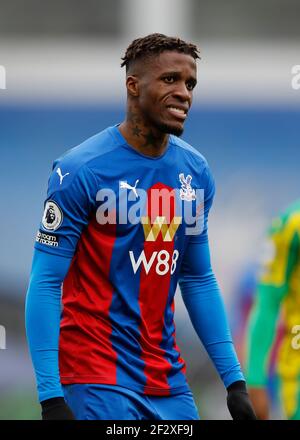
pixel 155 44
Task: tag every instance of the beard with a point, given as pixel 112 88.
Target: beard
pixel 160 125
pixel 169 129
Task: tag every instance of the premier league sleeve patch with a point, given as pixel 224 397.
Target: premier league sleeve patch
pixel 52 217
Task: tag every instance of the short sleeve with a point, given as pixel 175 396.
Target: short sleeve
pixel 71 198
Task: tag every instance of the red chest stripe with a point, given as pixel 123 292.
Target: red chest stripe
pixel 153 295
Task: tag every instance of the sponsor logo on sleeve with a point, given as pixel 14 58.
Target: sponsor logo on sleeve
pixel 53 216
pixel 48 239
pixel 61 176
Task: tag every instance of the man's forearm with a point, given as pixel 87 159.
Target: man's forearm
pixel 42 317
pixel 205 306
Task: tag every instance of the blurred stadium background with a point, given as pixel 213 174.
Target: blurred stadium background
pixel 64 84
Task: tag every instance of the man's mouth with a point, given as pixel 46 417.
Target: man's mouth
pixel 178 112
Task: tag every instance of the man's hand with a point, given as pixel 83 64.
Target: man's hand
pixel 238 402
pixel 56 409
pixel 260 402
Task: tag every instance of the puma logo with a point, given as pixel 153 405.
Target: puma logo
pixel 61 177
pixel 126 185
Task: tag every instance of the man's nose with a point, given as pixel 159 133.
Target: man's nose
pixel 183 92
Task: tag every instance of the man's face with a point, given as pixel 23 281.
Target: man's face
pixel 166 89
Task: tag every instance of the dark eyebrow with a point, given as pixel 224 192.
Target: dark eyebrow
pixel 171 72
pixel 178 74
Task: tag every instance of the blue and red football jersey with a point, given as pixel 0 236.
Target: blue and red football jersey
pixel 113 210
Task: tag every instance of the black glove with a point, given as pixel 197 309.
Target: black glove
pixel 238 402
pixel 56 409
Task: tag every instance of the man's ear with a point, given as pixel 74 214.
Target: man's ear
pixel 132 84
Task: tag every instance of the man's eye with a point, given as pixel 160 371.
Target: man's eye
pixel 169 79
pixel 190 85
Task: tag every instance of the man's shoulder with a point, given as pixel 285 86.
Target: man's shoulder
pixel 186 149
pixel 78 163
pixel 86 152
